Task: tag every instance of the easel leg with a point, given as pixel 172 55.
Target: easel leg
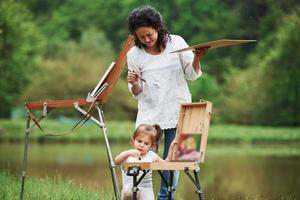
pixel 134 172
pixel 24 163
pixel 170 188
pixel 195 181
pixel 134 187
pixel 199 190
pixel 168 184
pixel 109 155
pixel 112 165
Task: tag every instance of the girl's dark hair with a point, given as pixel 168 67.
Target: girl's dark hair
pixel 147 16
pixel 157 138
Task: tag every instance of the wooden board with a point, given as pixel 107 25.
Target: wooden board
pixel 215 44
pixel 114 74
pixel 38 105
pixel 194 119
pixel 162 165
pixel 110 77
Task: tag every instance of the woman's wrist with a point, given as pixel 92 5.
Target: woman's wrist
pixel 136 88
pixel 196 66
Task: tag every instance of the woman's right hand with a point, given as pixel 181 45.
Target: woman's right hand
pixel 133 78
pixel 173 150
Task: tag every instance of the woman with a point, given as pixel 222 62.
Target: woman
pixel 158 78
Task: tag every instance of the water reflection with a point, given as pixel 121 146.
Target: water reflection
pixel 229 172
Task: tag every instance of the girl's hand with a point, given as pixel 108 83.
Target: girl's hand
pixel 134 153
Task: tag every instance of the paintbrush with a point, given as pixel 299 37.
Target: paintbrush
pixel 137 74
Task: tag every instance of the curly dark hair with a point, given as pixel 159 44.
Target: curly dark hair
pixel 147 16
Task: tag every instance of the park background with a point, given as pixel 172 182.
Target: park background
pixel 59 49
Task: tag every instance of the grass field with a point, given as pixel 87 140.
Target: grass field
pixel 46 188
pixel 119 131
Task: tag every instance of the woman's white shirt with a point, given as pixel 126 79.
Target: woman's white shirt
pixel 166 87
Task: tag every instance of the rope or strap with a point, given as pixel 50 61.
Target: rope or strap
pixel 82 121
pixel 35 120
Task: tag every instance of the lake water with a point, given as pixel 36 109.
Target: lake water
pixel 229 171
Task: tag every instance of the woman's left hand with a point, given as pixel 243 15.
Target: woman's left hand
pixel 199 52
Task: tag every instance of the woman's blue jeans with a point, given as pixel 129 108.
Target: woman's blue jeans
pixel 169 135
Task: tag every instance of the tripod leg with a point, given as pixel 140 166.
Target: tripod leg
pixel 168 184
pixel 134 188
pixel 199 190
pixel 109 155
pixel 24 163
pixel 170 187
pixel 195 181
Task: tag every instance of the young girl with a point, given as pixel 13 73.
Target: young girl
pixel 144 140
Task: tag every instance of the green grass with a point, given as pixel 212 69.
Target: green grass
pixel 254 134
pixel 46 188
pixel 119 131
pixel 89 132
pixel 58 189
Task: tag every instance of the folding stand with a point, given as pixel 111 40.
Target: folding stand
pixel 194 119
pixel 99 122
pixel 133 170
pixel 99 96
pixel 171 189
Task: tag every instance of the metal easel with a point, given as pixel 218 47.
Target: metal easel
pixel 99 95
pixel 100 122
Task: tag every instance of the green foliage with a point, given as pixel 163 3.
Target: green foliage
pixel 240 96
pixel 205 88
pixel 268 92
pixel 74 71
pixel 280 81
pixel 72 18
pixel 21 44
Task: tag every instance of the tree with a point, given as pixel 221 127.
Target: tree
pixel 268 92
pixel 20 46
pixel 205 88
pixel 280 104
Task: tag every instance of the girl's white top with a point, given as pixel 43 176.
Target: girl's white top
pixel 166 87
pixel 147 180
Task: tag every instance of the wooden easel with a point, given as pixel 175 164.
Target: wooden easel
pixel 93 102
pixel 194 118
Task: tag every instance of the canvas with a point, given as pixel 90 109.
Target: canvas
pixel 215 44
